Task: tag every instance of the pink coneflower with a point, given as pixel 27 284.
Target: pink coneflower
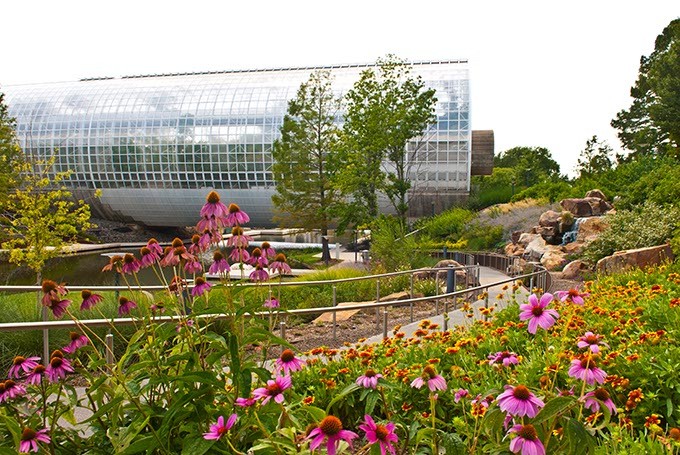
pixel 22 365
pixel 526 441
pixel 280 264
pixel 52 291
pixel 180 253
pixel 200 286
pixel 267 250
pixel 130 264
pixel 58 307
pixel 58 367
pixel 219 265
pixel 257 258
pixel 236 216
pixel 125 305
pixel 115 263
pixel 10 390
pixel 572 295
pixel 148 257
pixel 596 397
pixel 434 381
pixel 238 239
pixel 213 206
pixel 196 248
pixel 220 428
pixel 259 274
pixel 78 340
pixel 288 362
pixel 35 376
pixel 382 434
pixel 208 237
pixel 193 267
pixel 168 258
pixel 239 255
pixel 209 223
pixel 460 394
pixel 177 285
pixel 89 299
pixel 245 402
pixel 271 302
pixel 331 430
pixel 153 245
pixel 592 341
pixel 369 380
pixel 586 370
pixel 519 401
pixel 507 358
pixel 30 439
pixel 274 389
pixel 536 313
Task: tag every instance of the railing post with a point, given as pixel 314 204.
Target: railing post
pixel 46 337
pixel 385 313
pixel 377 299
pixel 436 294
pixel 446 315
pixel 110 359
pixel 282 328
pixel 486 303
pixel 411 297
pixel 450 279
pixel 334 325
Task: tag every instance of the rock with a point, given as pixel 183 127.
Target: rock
pixel 517 267
pixel 515 236
pixel 513 249
pixel 589 206
pixel 638 258
pixel 536 248
pixel 427 274
pixel 574 270
pixel 527 238
pixel 574 248
pixel 590 229
pixel 550 218
pixel 596 193
pixel 554 258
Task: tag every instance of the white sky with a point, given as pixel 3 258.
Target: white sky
pixel 543 73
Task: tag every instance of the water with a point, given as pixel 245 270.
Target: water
pixel 570 236
pixel 85 269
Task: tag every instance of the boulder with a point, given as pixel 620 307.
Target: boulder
pixel 590 229
pixel 515 236
pixel 588 206
pixel 535 249
pixel 517 267
pixel 596 193
pixel 554 258
pixel 513 249
pixel 550 218
pixel 638 258
pixel 574 270
pixel 526 238
pixel 461 275
pixel 574 248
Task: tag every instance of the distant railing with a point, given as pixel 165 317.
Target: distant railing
pixel 472 273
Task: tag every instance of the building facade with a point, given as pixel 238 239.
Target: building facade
pixel 156 145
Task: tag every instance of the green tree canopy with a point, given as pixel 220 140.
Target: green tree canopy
pixel 531 164
pixel 10 152
pixel 386 108
pixel 306 158
pixel 595 158
pixel 651 125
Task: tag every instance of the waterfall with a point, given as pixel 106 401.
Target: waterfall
pixel 570 236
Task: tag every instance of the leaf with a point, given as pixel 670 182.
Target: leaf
pixel 317 414
pixel 346 391
pixel 554 408
pixel 580 440
pixel 196 445
pixel 452 443
pixel 371 401
pixel 144 444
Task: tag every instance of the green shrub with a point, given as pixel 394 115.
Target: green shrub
pixel 392 248
pixel 447 225
pixel 646 225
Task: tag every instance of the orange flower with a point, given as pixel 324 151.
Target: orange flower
pixel 308 400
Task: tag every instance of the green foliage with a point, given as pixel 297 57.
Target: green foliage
pixel 448 224
pixel 651 125
pixel 551 190
pixel 488 190
pixel 392 248
pixel 647 225
pixel 41 216
pixel 595 158
pixel 386 108
pixel 10 152
pixel 530 164
pixel 482 237
pixel 306 157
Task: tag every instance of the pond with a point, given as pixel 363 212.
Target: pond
pixel 85 269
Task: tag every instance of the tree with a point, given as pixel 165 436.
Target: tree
pixel 10 152
pixel 386 108
pixel 41 217
pixel 652 123
pixel 595 158
pixel 306 158
pixel 531 164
